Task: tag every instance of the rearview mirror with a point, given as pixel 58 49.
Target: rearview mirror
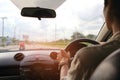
pixel 38 12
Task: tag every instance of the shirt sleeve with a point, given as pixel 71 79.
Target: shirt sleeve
pixel 65 78
pixel 76 70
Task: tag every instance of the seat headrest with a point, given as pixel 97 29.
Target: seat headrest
pixel 109 69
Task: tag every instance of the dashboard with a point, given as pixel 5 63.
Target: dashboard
pixel 28 65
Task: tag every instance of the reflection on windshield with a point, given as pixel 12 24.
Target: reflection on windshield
pixel 75 19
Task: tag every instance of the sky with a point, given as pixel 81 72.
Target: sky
pixel 84 16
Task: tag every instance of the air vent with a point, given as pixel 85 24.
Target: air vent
pixel 19 57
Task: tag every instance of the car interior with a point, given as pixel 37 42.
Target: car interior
pixel 41 63
pixel 108 68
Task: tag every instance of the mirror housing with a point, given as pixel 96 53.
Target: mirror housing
pixel 38 12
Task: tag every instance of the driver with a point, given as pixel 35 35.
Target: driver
pixel 87 59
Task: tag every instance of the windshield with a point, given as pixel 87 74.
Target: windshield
pixel 75 19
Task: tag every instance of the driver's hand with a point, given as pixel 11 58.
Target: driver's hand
pixel 63 56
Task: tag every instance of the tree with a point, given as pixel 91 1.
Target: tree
pixel 91 36
pixel 77 35
pixel 3 41
pixel 13 40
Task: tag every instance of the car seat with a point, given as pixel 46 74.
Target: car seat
pixel 109 69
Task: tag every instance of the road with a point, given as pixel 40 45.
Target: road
pixel 27 47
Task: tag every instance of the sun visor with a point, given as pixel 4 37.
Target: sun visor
pixel 52 4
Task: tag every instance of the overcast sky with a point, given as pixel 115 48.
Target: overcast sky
pixel 84 16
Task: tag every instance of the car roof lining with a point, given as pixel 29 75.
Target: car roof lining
pixel 51 4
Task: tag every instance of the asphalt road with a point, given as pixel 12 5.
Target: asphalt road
pixel 27 47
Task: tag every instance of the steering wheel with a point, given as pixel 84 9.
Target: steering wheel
pixel 74 46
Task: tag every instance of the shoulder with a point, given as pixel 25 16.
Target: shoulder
pixel 88 53
pixel 89 50
pixel 97 52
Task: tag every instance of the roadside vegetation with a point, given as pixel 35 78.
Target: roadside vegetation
pixel 56 44
pixel 63 43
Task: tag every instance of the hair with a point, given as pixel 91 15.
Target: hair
pixel 113 9
pixel 106 3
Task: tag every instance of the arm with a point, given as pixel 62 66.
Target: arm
pixel 63 71
pixel 78 66
pixel 63 58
